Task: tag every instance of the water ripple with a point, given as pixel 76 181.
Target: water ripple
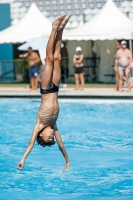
pixel 98 136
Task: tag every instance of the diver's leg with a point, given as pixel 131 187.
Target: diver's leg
pixel 48 70
pixel 57 52
pixel 57 58
pixel 127 71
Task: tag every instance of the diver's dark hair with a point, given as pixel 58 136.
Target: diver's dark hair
pixel 30 48
pixel 41 142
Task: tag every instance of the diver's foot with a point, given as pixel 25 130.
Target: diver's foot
pixel 64 22
pixel 76 88
pixel 58 21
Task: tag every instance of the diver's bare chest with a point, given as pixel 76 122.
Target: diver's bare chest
pixel 48 114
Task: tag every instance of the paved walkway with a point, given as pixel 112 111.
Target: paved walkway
pixel 68 92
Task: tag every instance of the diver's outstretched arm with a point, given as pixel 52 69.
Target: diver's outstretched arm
pixel 30 146
pixel 62 148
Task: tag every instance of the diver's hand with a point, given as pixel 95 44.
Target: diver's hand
pixel 20 165
pixel 108 51
pixel 66 166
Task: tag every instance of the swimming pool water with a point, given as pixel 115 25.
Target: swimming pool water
pixel 98 136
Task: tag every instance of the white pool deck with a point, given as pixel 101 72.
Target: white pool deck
pixel 68 92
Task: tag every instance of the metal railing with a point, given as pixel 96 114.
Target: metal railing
pixel 17 70
pixel 64 69
pixel 13 70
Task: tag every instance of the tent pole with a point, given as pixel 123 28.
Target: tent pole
pixel 130 41
pixel 84 20
pixel 130 45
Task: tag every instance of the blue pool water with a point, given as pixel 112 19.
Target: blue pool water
pixel 98 136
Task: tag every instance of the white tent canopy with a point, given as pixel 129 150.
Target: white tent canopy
pixel 36 44
pixel 108 24
pixel 33 25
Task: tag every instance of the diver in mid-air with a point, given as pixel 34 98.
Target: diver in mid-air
pixel 46 129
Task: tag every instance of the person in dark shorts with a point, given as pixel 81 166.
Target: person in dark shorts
pixel 46 128
pixel 79 68
pixel 33 59
pixel 33 71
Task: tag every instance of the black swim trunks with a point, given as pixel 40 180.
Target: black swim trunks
pixel 52 88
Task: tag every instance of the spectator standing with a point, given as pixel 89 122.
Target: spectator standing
pixel 118 46
pixel 33 59
pixel 79 68
pixel 124 61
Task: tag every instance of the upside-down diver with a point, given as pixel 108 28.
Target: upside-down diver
pixel 46 128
